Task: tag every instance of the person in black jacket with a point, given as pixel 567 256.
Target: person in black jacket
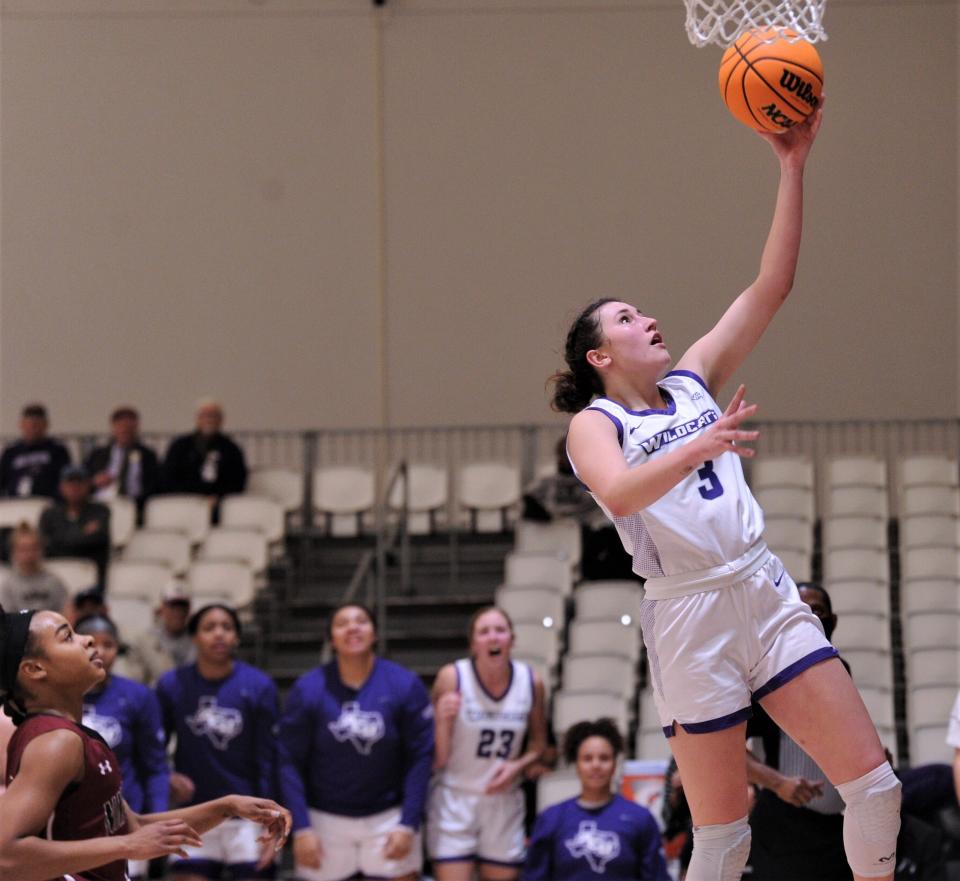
pixel 206 462
pixel 31 466
pixel 125 466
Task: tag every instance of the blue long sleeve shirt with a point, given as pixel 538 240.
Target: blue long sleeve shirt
pixel 226 730
pixel 126 715
pixel 357 752
pixel 617 842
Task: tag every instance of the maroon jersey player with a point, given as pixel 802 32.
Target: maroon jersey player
pixel 63 813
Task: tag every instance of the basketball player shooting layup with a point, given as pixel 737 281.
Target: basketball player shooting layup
pixel 64 781
pixel 722 620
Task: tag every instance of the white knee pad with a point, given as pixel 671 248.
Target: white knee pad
pixel 720 852
pixel 871 821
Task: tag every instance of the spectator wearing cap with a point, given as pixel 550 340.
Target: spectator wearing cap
pixel 166 644
pixel 125 466
pixel 205 462
pixel 29 585
pixel 31 466
pixel 77 526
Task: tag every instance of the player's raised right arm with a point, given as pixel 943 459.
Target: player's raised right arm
pixel 446 705
pixel 596 453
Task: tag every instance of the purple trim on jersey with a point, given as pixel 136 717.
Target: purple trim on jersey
pixel 466 858
pixel 456 670
pixel 693 376
pixel 212 869
pixel 483 688
pixel 614 420
pixel 718 724
pixel 533 684
pixel 670 409
pixel 794 670
pixel 500 862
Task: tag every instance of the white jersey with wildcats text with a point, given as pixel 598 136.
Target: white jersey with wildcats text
pixel 708 519
pixel 488 731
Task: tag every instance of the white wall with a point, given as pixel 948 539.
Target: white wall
pixel 191 203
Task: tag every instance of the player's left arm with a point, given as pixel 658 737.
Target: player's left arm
pixel 717 355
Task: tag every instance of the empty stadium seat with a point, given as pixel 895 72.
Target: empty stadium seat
pixel 863 501
pixel 254 512
pixel 932 562
pixel 188 514
pixel 133 615
pixel 928 745
pixel 934 666
pixel 488 491
pixel 227 580
pixel 788 534
pixel 856 564
pixel 854 532
pixel 561 537
pixel 570 707
pixel 13 512
pixel 76 573
pixel 538 664
pixel 160 545
pixel 934 629
pixel 528 568
pixel 248 545
pixel 609 601
pixel 651 744
pixel 343 495
pixel 137 578
pixel 530 603
pixel 879 703
pixel 786 501
pixel 557 786
pixel 123 520
pixel 870 668
pixel 797 563
pixel 283 485
pixel 928 469
pixel 426 497
pixel 782 471
pixel 862 630
pixel 590 637
pixel 856 471
pixel 929 530
pixel 930 704
pixel 925 594
pixel 864 595
pixel 930 500
pixel 537 641
pixel 599 672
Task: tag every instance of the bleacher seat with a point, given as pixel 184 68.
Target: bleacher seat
pixel 488 492
pixel 862 630
pixel 160 545
pixel 934 629
pixel 856 471
pixel 865 595
pixel 928 714
pixel 343 495
pixel 925 594
pixel 786 501
pixel 530 603
pixel 788 534
pixel 590 637
pixel 856 564
pixel 557 786
pixel 854 500
pixel 609 601
pixel 76 573
pixel 797 563
pixel 570 707
pixel 188 514
pixel 934 562
pixel 651 744
pixel 537 641
pixel 930 500
pixel 879 703
pixel 928 469
pixel 426 497
pixel 133 615
pixel 538 664
pixel 598 672
pixel 254 512
pixel 229 581
pixel 854 532
pixel 929 530
pixel 527 568
pixel 928 745
pixel 934 666
pixel 123 520
pixel 248 545
pixel 283 485
pixel 562 537
pixel 870 668
pixel 137 578
pixel 13 512
pixel 782 471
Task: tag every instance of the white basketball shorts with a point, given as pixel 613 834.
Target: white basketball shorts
pixel 473 826
pixel 233 843
pixel 354 845
pixel 713 649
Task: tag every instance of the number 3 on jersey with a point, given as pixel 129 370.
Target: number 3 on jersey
pixel 487 744
pixel 713 488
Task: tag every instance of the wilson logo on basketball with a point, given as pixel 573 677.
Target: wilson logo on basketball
pixel 777 116
pixel 800 87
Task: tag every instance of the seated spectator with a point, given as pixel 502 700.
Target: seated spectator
pixel 31 466
pixel 166 644
pixel 125 466
pixel 206 462
pixel 29 585
pixel 598 833
pixel 77 526
pixel 562 495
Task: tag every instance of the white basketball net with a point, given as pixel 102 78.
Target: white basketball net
pixel 722 21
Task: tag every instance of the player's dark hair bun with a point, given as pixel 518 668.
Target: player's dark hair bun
pixel 576 386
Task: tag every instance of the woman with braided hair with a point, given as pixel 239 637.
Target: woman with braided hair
pixel 63 815
pixel 722 620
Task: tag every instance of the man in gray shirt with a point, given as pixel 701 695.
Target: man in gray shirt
pixel 29 585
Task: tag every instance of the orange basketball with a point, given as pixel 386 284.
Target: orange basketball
pixel 770 83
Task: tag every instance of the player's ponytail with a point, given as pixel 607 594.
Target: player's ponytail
pixel 577 386
pixel 16 643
